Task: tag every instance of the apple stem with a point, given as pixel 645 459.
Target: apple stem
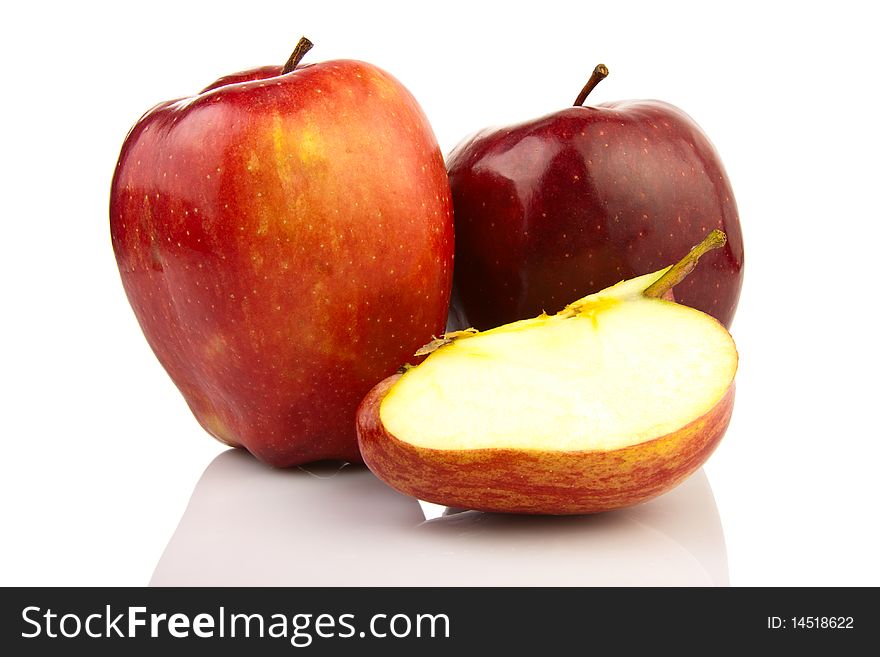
pixel 679 271
pixel 599 74
pixel 302 47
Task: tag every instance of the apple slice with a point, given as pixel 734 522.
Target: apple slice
pixel 610 402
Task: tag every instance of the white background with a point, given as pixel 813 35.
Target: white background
pixel 100 452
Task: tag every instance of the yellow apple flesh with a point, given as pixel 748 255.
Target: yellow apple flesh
pixel 611 402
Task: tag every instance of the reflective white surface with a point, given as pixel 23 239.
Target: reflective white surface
pixel 247 524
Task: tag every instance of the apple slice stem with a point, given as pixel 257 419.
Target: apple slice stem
pixel 302 47
pixel 679 271
pixel 599 74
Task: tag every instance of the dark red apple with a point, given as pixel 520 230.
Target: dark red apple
pixel 285 239
pixel 570 203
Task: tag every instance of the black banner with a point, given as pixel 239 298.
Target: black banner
pixel 335 621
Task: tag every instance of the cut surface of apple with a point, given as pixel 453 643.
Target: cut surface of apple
pixel 616 373
pixel 610 402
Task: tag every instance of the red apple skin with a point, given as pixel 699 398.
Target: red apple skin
pixel 537 481
pixel 285 241
pixel 568 204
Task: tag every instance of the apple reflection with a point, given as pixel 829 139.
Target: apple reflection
pixel 338 525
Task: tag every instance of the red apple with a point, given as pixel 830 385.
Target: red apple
pixel 614 400
pixel 570 203
pixel 285 239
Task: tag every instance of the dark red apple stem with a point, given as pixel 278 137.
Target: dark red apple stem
pixel 599 74
pixel 679 271
pixel 302 47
